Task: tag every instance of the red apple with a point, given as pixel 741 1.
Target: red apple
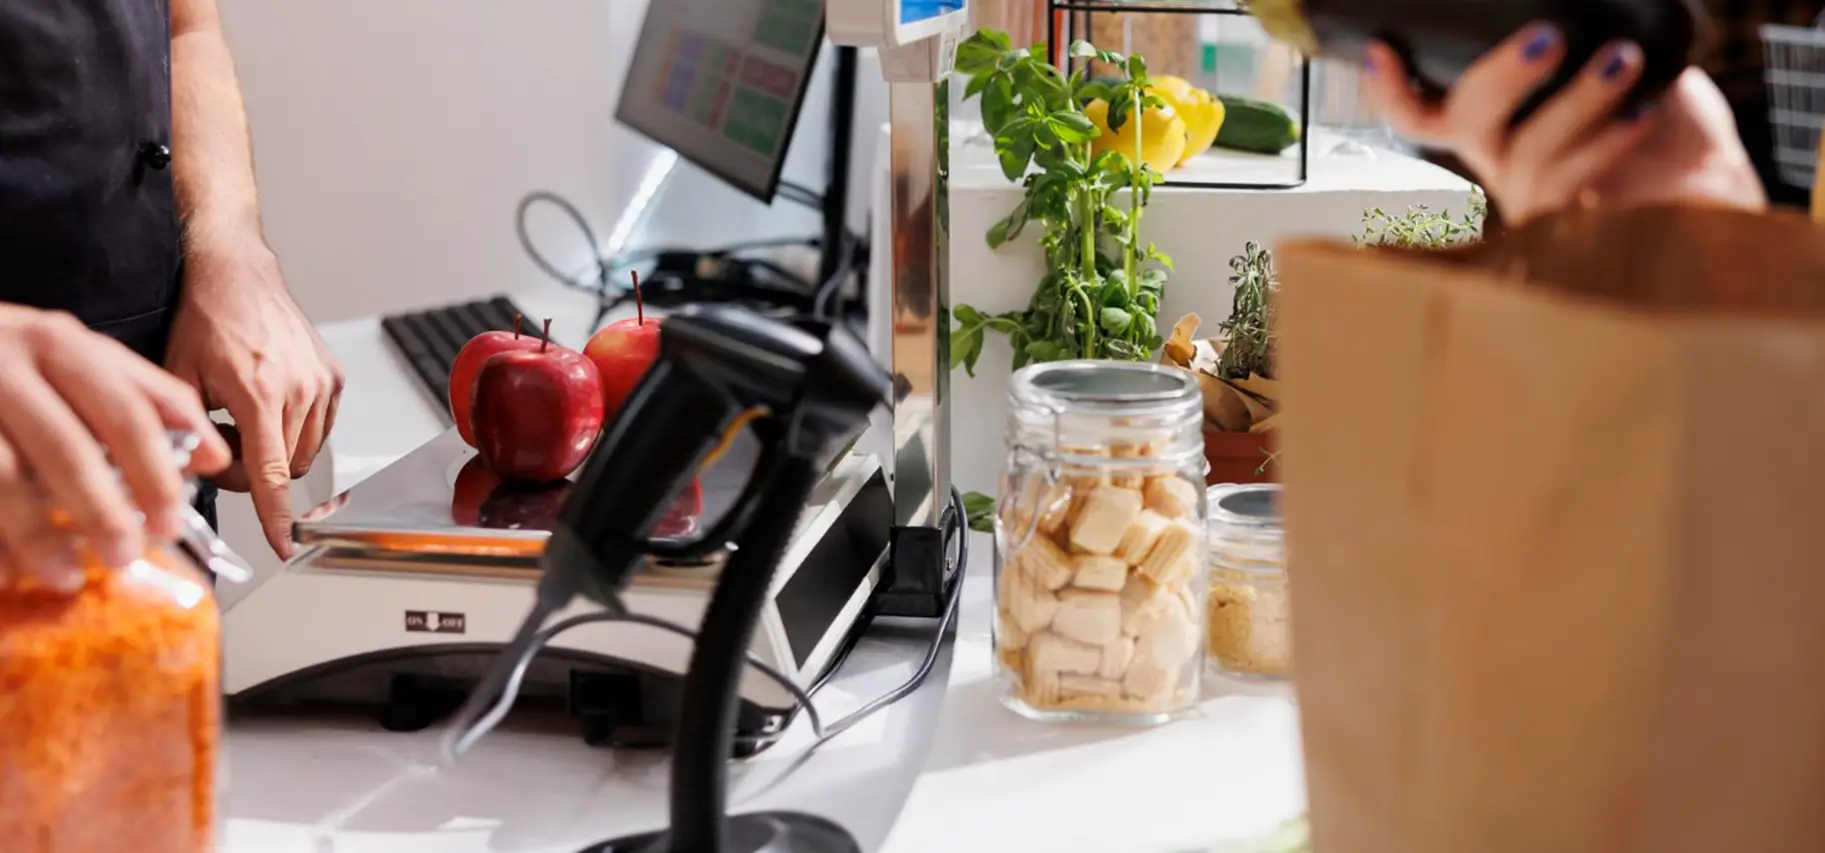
pixel 473 486
pixel 537 413
pixel 469 361
pixel 623 351
pixel 525 506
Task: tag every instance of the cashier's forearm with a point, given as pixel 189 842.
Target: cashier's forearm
pixel 212 153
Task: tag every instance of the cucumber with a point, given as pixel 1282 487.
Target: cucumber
pixel 1262 127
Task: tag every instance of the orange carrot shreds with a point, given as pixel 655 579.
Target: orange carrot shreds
pixel 110 713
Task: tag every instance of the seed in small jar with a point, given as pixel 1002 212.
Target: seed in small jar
pixel 1172 497
pixel 1051 653
pixel 1097 572
pixel 1138 539
pixel 1104 519
pixel 1093 618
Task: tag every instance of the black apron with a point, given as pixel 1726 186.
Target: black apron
pixel 88 212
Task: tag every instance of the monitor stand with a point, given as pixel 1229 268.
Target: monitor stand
pixel 765 832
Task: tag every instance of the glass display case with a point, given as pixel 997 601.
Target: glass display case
pixel 1216 46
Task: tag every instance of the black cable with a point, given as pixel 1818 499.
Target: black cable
pixel 464 736
pixel 801 194
pixel 820 306
pixel 954 525
pixel 576 216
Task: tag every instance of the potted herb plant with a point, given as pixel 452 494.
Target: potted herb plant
pixel 1237 369
pixel 1100 293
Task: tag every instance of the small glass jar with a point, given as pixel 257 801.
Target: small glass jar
pixel 1100 543
pixel 1248 619
pixel 110 703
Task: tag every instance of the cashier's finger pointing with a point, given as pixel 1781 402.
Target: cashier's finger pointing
pixel 28 542
pixel 266 462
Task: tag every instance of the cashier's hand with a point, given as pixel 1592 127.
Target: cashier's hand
pixel 1574 151
pixel 241 341
pixel 66 393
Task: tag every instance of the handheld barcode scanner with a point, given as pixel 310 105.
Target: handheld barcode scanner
pixel 806 387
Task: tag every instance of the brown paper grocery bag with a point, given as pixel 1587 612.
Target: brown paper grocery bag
pixel 1556 530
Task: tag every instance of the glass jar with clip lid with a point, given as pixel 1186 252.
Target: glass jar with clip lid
pixel 1249 620
pixel 110 704
pixel 1099 557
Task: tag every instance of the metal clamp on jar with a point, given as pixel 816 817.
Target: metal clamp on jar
pixel 1099 563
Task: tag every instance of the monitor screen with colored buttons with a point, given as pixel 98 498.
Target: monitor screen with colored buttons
pixel 721 82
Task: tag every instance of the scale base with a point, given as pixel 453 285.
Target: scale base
pixel 766 832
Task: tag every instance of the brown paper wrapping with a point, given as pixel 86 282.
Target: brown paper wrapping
pixel 1556 523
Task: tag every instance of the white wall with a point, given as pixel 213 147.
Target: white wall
pixel 394 138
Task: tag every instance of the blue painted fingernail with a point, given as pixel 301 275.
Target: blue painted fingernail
pixel 1637 111
pixel 1543 39
pixel 1619 60
pixel 1368 65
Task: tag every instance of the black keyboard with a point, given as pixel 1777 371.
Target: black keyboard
pixel 430 340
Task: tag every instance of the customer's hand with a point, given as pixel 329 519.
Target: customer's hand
pixel 243 343
pixel 65 394
pixel 1574 150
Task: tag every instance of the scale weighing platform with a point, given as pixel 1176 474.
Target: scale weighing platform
pixel 413 581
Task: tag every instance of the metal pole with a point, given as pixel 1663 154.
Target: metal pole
pixel 919 113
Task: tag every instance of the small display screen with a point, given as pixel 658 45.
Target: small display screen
pixel 915 11
pixel 721 81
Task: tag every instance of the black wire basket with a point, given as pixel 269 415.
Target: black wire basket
pixel 1072 20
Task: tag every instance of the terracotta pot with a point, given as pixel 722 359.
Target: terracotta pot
pixel 1239 457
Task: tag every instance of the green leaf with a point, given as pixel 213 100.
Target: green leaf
pixel 1071 127
pixel 1137 67
pixel 966 348
pixel 1115 320
pixel 1115 293
pixel 1001 40
pixel 980 53
pixel 1081 49
pixel 1110 57
pixel 998 106
pixel 979 509
pixel 1008 228
pixel 1118 114
pixel 976 86
pixel 967 316
pixel 1095 90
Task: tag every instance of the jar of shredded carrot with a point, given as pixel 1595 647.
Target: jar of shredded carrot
pixel 110 711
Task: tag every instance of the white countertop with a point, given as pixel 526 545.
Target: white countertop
pixel 992 782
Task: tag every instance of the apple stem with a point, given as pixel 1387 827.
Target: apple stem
pixel 518 321
pixel 639 304
pixel 546 343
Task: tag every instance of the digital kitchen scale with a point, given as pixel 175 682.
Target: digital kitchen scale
pixel 413 580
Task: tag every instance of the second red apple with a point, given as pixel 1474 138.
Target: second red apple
pixel 537 413
pixel 623 352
